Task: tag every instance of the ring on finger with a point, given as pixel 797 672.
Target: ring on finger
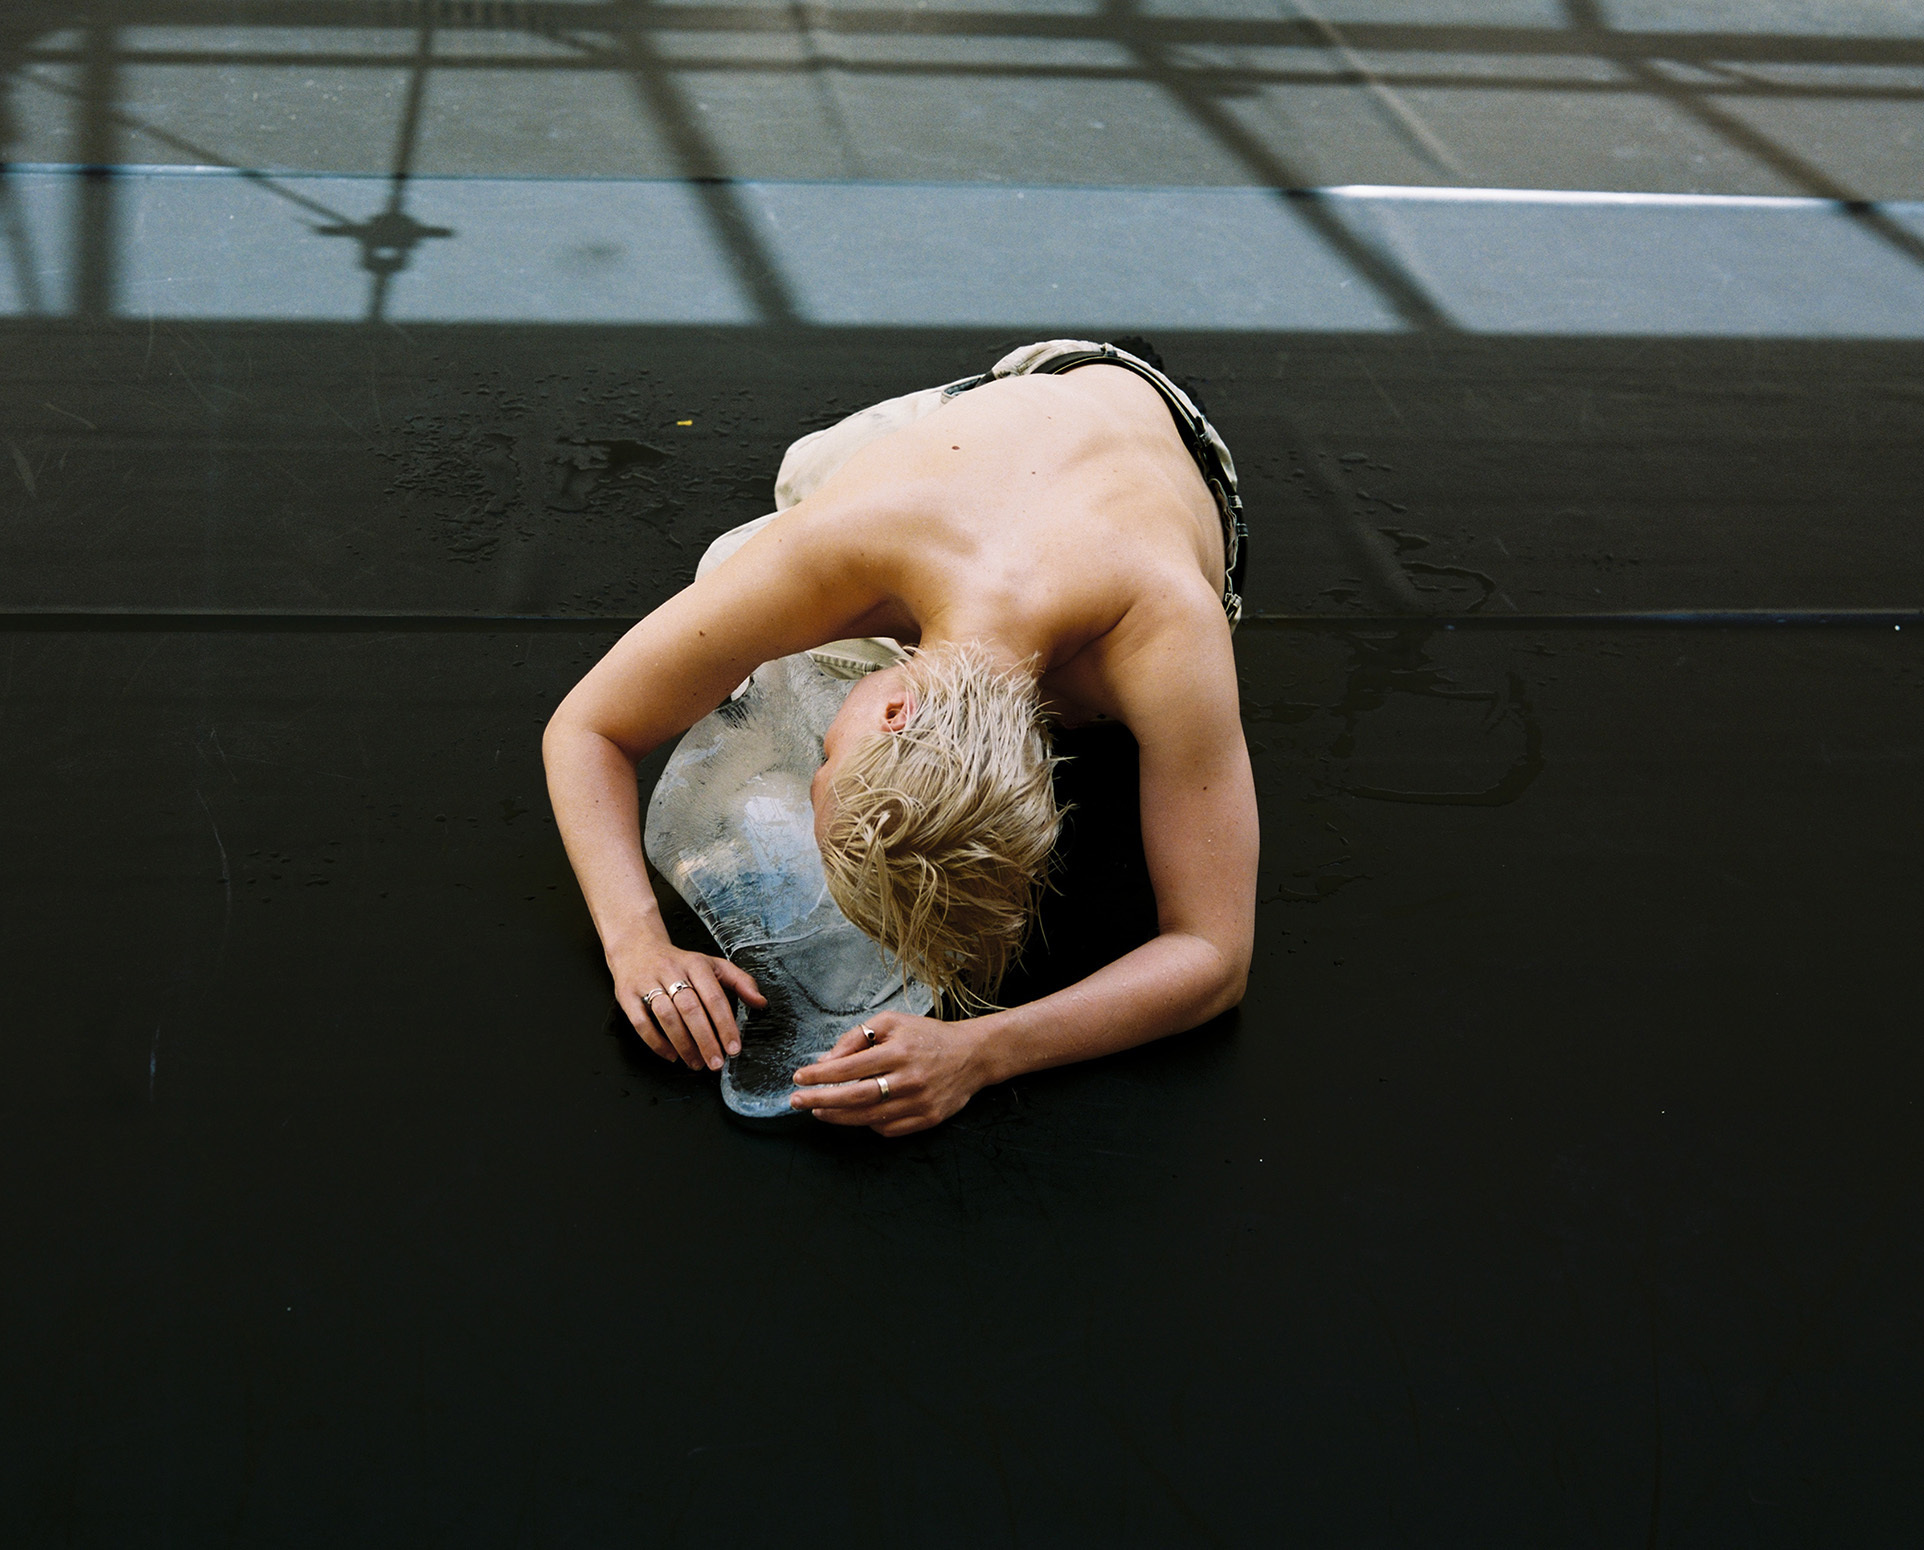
pixel 869 1034
pixel 882 1085
pixel 649 996
pixel 678 987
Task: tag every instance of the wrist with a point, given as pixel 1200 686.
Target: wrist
pixel 989 1053
pixel 641 931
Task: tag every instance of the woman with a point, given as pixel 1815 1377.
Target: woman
pixel 1057 540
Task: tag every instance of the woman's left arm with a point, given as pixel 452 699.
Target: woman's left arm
pixel 1199 835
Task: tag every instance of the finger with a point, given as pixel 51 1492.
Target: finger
pixel 693 1012
pixel 864 1062
pixel 855 1042
pixel 850 1043
pixel 844 1095
pixel 668 1018
pixel 869 1116
pixel 740 981
pixel 714 1000
pixel 906 1126
pixel 636 1011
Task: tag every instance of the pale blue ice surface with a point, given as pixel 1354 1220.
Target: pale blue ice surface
pixel 731 828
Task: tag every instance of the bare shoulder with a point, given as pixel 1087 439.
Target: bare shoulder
pixel 1169 666
pixel 794 585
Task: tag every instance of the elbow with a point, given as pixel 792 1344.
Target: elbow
pixel 1235 955
pixel 562 743
pixel 1228 984
pixel 571 742
pixel 1232 986
pixel 553 736
pixel 1236 984
pixel 1215 978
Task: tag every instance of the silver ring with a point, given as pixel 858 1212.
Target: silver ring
pixel 650 996
pixel 869 1034
pixel 883 1083
pixel 678 986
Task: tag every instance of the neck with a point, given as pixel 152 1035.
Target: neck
pixel 1010 655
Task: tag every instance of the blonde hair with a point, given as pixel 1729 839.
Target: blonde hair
pixel 940 834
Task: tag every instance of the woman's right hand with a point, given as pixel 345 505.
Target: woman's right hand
pixel 696 1023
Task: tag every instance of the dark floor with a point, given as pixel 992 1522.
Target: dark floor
pixel 1557 1184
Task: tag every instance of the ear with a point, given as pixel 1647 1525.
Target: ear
pixel 898 707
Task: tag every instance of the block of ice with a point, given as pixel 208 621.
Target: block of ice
pixel 731 828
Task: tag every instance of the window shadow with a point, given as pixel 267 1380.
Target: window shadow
pixel 1198 64
pixel 1587 22
pixel 662 98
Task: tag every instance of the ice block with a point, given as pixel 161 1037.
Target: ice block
pixel 731 828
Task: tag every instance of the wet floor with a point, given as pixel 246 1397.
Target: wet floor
pixel 1557 1183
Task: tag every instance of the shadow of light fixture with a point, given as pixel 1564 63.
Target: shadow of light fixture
pixel 387 240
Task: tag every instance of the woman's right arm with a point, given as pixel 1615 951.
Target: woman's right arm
pixel 591 783
pixel 663 676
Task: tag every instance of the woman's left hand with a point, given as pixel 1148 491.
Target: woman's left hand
pixel 915 1073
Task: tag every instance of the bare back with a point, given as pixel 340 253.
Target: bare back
pixel 1039 512
pixel 1056 519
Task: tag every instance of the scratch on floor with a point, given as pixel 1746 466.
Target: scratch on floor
pixel 1379 391
pixel 26 471
pixel 226 882
pixel 135 675
pixel 213 735
pixel 181 366
pixel 70 414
